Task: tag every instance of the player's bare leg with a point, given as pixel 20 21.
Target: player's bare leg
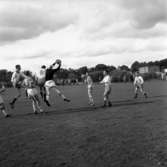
pixel 38 104
pixel 90 96
pixel 12 103
pixel 34 107
pixel 109 102
pixel 143 92
pixel 42 92
pixel 46 96
pixel 136 93
pixel 60 94
pixel 3 110
pixel 105 101
pixel 108 99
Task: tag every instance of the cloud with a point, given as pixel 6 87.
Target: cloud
pixel 29 19
pixel 80 32
pixel 146 13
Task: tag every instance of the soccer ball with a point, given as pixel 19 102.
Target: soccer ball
pixel 58 61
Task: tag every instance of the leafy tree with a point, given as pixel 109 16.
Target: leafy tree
pixel 111 68
pixel 82 70
pixel 135 66
pixel 124 67
pixel 3 75
pixel 101 67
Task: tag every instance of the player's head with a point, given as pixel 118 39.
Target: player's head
pixel 137 73
pixel 43 67
pixel 87 74
pixel 28 73
pixel 105 72
pixel 18 68
pixel 83 76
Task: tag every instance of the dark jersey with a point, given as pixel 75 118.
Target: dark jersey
pixel 50 73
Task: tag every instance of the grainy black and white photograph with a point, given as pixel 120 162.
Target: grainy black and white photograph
pixel 83 83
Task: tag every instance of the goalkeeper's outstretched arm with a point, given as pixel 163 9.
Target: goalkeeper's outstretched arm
pixel 56 65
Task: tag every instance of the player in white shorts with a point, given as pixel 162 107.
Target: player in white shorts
pixel 50 83
pixel 139 85
pixel 2 105
pixel 17 79
pixel 41 81
pixel 107 88
pixel 32 93
pixel 89 83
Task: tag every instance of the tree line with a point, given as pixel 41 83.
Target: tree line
pixel 119 74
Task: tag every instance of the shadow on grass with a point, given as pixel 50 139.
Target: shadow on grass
pixel 85 109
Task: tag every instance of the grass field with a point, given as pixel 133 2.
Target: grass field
pixel 132 133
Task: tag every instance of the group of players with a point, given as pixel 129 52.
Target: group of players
pixel 46 83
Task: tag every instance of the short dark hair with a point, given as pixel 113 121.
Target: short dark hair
pixel 28 73
pixel 107 71
pixel 18 66
pixel 43 66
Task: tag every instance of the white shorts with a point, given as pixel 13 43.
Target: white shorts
pixel 50 84
pixel 17 85
pixel 90 87
pixel 1 100
pixel 138 86
pixel 107 90
pixel 32 92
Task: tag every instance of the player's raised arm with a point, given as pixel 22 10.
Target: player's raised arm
pixel 56 65
pixel 23 75
pixel 103 81
pixel 13 77
pixel 135 81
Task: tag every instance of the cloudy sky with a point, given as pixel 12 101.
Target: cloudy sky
pixel 81 32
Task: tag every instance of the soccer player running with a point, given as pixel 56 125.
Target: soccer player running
pixel 107 88
pixel 139 85
pixel 41 81
pixel 17 79
pixel 50 83
pixel 2 105
pixel 32 93
pixel 89 82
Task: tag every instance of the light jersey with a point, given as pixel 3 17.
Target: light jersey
pixel 106 80
pixel 29 83
pixel 89 81
pixel 42 74
pixel 17 76
pixel 138 80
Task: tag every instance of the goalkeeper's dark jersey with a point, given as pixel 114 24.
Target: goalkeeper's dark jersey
pixel 50 73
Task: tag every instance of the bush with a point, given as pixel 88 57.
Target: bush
pixel 148 76
pixel 121 76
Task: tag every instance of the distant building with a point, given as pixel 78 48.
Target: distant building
pixel 143 70
pixel 149 69
pixel 165 70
